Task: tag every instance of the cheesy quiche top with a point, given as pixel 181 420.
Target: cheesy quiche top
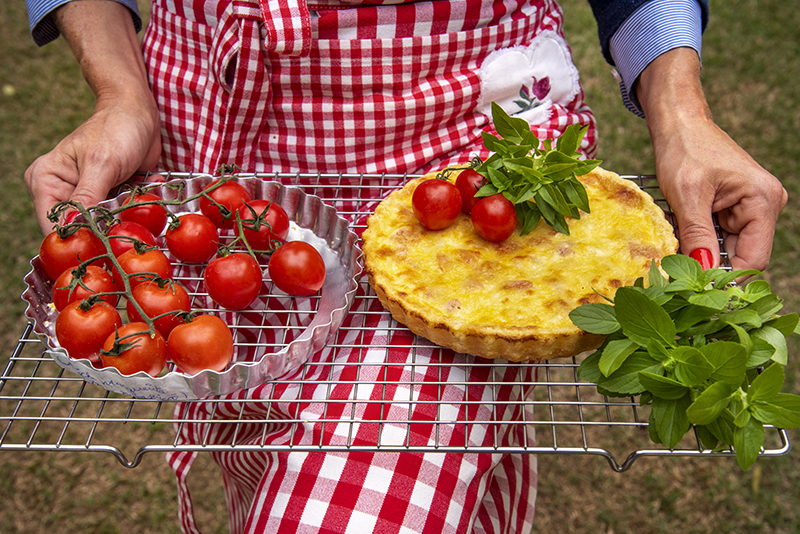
pixel 512 299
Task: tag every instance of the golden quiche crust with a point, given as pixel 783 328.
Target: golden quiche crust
pixel 511 299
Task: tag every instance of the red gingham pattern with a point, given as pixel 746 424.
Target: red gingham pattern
pixel 405 102
pixel 378 88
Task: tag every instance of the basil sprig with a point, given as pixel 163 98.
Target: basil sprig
pixel 541 182
pixel 704 352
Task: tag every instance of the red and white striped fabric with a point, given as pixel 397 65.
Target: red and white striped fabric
pixel 356 87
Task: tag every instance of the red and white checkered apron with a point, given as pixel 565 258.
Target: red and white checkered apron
pixel 393 88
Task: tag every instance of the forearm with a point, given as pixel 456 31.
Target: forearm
pixel 105 44
pixel 671 94
pixel 702 171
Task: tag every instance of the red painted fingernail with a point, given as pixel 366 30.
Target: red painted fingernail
pixel 703 255
pixel 70 216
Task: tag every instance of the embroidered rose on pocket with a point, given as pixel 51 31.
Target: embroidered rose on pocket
pixel 528 80
pixel 533 97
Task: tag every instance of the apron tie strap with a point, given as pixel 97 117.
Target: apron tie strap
pixel 240 92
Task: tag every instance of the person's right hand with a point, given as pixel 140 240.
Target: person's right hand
pixel 121 137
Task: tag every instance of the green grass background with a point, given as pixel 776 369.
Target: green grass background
pixel 751 64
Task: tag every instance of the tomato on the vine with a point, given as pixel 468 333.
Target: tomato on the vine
pixel 494 217
pixel 297 268
pixel 158 297
pixel 265 224
pixel 231 195
pixel 142 266
pixel 151 216
pixel 132 349
pixel 82 282
pixel 193 239
pixel 468 183
pixel 201 343
pixel 436 203
pixel 233 281
pixel 58 254
pixel 83 326
pixel 124 234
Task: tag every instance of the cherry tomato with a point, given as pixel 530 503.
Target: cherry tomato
pixel 230 195
pixel 151 216
pixel 83 326
pixel 436 203
pixel 494 218
pixel 233 281
pixel 195 239
pixel 297 268
pixel 150 263
pixel 156 298
pixel 264 222
pixel 83 282
pixel 57 254
pixel 203 343
pixel 124 234
pixel 468 183
pixel 131 349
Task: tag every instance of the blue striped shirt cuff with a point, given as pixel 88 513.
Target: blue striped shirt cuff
pixel 44 30
pixel 654 28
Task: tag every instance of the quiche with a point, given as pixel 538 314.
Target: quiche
pixel 511 299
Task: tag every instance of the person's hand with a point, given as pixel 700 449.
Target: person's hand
pixel 702 171
pixel 123 134
pixel 120 138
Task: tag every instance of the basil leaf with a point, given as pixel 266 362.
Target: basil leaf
pixel 722 427
pixel 742 316
pixel 782 411
pixel 716 299
pixel 756 290
pixel 691 368
pixel 729 361
pixel 625 380
pixel 657 351
pixel 690 316
pixel 747 442
pixel 730 276
pixel 511 128
pixel 662 386
pixel 642 319
pixel 785 324
pixel 767 306
pixel 680 267
pixel 576 193
pixel 767 384
pixel 589 369
pixel 669 417
pixel 569 141
pixel 775 339
pixel 586 166
pixel 761 353
pixel 596 318
pixel 709 404
pixel 654 276
pixel 614 355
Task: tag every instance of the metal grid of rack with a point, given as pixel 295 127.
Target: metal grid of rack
pixel 44 408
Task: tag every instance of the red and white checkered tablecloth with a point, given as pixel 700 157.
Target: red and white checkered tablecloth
pixel 367 87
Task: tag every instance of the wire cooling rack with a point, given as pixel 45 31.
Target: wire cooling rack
pixel 44 408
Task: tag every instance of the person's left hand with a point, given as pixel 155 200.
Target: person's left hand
pixel 702 171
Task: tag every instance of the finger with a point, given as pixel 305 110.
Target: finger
pixel 698 237
pixel 94 185
pixel 751 248
pixel 47 187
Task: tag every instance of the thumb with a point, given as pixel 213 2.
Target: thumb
pixel 697 235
